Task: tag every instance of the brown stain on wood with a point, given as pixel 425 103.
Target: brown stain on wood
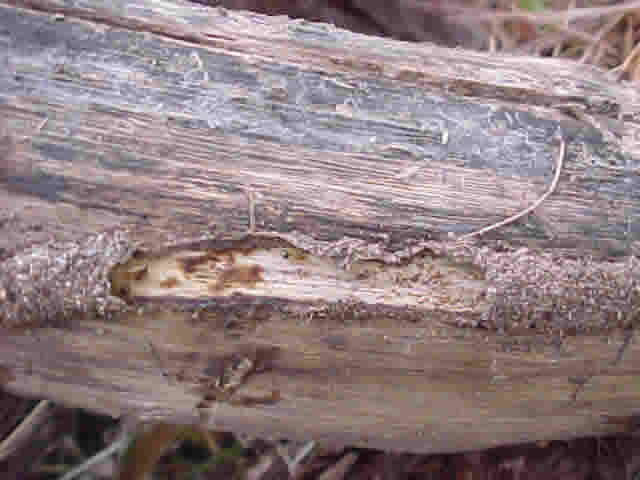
pixel 123 275
pixel 170 282
pixel 236 276
pixel 190 264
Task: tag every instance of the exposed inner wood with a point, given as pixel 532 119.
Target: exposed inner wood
pixel 271 267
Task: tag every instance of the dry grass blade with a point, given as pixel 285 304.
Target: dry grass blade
pixel 605 30
pixel 22 433
pixel 580 33
pixel 547 16
pixel 531 207
pixel 339 470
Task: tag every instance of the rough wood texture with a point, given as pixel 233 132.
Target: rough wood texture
pixel 143 139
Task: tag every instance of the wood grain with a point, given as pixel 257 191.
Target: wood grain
pixel 168 130
pixel 333 137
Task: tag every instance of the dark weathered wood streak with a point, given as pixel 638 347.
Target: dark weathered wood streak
pixel 317 132
pixel 166 119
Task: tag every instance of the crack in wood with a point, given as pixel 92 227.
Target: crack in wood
pixel 268 266
pixel 224 376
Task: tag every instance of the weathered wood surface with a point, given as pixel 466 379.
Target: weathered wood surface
pixel 174 122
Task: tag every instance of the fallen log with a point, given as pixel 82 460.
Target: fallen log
pixel 278 227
